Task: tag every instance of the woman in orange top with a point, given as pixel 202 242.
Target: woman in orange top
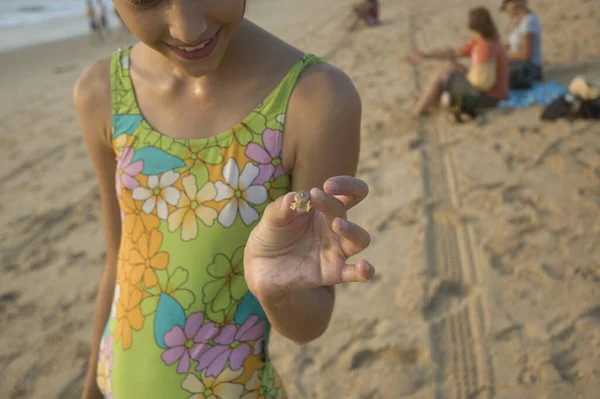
pixel 486 78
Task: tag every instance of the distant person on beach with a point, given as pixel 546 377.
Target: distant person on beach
pixel 104 24
pixel 225 161
pixel 366 12
pixel 525 42
pixel 95 27
pixel 486 79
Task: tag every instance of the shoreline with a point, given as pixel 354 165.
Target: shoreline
pixel 47 32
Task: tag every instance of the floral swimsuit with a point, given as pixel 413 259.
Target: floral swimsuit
pixel 183 323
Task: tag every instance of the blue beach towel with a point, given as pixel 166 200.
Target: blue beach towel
pixel 541 93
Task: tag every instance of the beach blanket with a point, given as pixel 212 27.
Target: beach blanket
pixel 541 93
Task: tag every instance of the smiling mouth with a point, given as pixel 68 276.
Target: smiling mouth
pixel 195 48
pixel 198 46
pixel 197 51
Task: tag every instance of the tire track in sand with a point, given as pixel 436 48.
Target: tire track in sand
pixel 464 369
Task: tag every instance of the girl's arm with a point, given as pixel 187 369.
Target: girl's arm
pixel 92 101
pixel 447 54
pixel 321 140
pixel 526 48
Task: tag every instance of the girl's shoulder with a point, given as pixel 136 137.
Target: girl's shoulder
pixel 92 95
pixel 95 79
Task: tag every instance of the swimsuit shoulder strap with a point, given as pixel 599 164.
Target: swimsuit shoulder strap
pixel 278 102
pixel 122 93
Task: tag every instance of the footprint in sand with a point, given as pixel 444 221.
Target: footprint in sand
pixel 74 388
pixel 590 319
pixel 8 299
pixel 446 295
pixel 25 387
pixel 430 299
pixel 365 358
pixel 564 362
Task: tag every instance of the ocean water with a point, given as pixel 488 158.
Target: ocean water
pixel 20 13
pixel 26 22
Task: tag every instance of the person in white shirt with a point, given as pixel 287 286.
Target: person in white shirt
pixel 525 41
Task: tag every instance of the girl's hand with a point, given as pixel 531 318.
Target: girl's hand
pixel 291 251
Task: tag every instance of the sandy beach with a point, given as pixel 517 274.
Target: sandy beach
pixel 486 236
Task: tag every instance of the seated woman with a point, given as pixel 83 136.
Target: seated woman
pixel 487 77
pixel 366 11
pixel 524 44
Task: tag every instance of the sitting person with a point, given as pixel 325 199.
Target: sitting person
pixel 524 44
pixel 366 11
pixel 486 79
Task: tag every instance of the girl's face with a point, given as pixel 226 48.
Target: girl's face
pixel 512 9
pixel 192 34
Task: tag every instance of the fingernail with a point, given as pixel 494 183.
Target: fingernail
pixel 332 186
pixel 315 192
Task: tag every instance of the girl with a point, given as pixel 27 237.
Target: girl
pixel 525 43
pixel 201 135
pixel 487 77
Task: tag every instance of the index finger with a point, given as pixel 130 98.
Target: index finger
pixel 349 190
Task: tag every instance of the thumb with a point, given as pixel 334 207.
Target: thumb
pixel 280 213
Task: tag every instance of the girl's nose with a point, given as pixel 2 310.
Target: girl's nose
pixel 187 22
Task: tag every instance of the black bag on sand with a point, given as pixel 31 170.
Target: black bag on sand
pixel 569 106
pixel 590 109
pixel 562 107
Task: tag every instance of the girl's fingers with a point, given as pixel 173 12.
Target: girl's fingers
pixel 360 272
pixel 329 205
pixel 280 213
pixel 349 190
pixel 355 239
pixel 334 275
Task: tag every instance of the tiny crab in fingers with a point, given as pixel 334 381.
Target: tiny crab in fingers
pixel 301 202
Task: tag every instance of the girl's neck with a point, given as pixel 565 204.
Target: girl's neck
pixel 173 80
pixel 522 13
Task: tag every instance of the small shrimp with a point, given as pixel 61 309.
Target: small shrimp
pixel 301 202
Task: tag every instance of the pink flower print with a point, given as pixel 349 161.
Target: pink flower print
pixel 188 342
pixel 268 157
pixel 126 171
pixel 105 367
pixel 232 345
pixel 107 350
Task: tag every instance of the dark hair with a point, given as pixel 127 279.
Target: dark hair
pixel 481 21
